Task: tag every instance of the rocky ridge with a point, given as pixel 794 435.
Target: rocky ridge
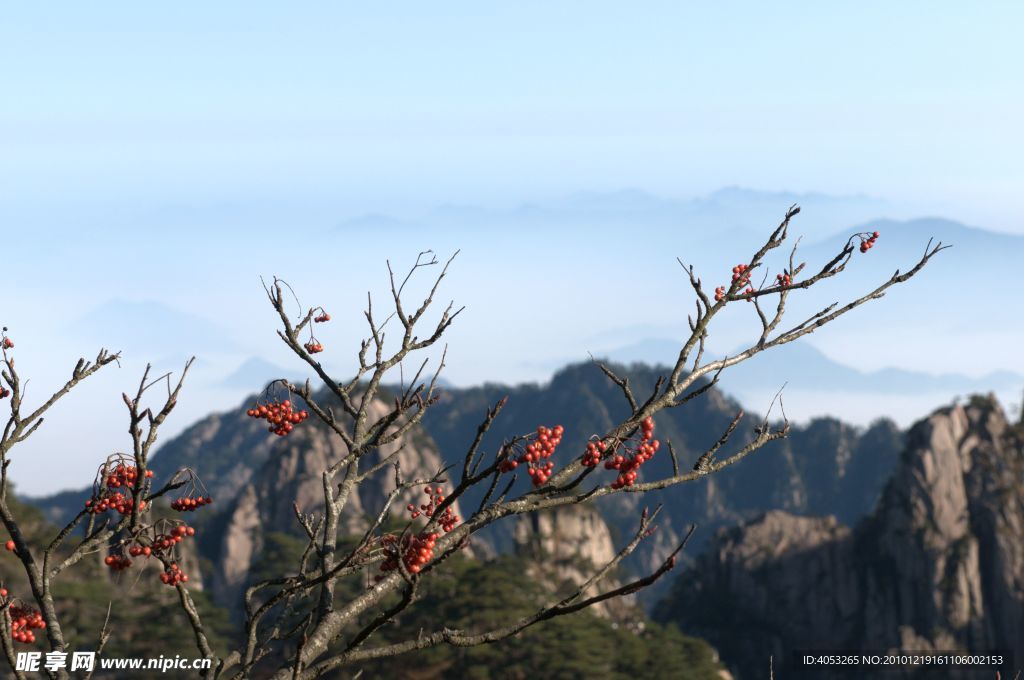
pixel 254 477
pixel 938 565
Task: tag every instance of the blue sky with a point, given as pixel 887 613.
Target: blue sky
pixel 156 160
pixel 465 102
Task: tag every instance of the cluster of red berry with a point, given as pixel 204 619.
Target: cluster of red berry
pixel 592 456
pixel 536 454
pixel 322 317
pixel 415 551
pixel 117 562
pixel 23 621
pixel 122 475
pixel 435 497
pixel 627 464
pixel 868 243
pixel 161 543
pixel 164 542
pixel 784 280
pixel 280 416
pixel 173 575
pixel 115 474
pixel 190 504
pixel 740 276
pixel 7 344
pixel 112 500
pixel 314 347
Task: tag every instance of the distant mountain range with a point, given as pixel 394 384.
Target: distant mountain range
pixel 731 209
pixel 964 298
pixel 252 373
pixel 968 288
pixel 801 365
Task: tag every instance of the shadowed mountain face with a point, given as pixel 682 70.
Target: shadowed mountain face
pixel 824 467
pixel 938 565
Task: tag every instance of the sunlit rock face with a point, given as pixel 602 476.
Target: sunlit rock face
pixel 566 546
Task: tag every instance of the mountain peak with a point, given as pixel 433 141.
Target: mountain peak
pixel 936 565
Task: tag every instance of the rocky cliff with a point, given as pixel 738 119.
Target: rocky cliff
pixel 938 565
pixel 565 547
pixel 292 476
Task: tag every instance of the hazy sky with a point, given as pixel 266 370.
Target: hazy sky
pixel 429 103
pixel 156 160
